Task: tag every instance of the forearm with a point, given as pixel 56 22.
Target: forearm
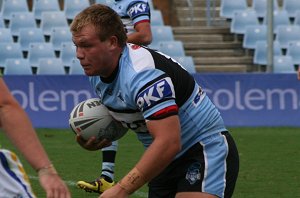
pixel 157 156
pixel 139 39
pixel 20 131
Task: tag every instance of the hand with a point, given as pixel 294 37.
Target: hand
pixel 114 192
pixel 92 144
pixel 54 186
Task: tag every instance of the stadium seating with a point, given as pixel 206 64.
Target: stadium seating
pixel 228 7
pixel 187 62
pixel 40 50
pixel 254 34
pixel 2 24
pixel 5 35
pixel 50 66
pixel 293 50
pixel 30 35
pixel 297 18
pixel 280 17
pixel 283 64
pixel 17 66
pixel 261 52
pixel 161 33
pixel 75 67
pixel 60 35
pixel 21 20
pixel 101 1
pixel 286 34
pixel 40 6
pixel 241 19
pixel 291 6
pixel 67 52
pixel 9 50
pixel 156 18
pixel 53 19
pixel 260 6
pixel 11 6
pixel 72 7
pixel 172 48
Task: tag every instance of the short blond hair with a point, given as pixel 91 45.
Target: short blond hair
pixel 105 20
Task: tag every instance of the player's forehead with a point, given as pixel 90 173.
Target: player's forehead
pixel 87 33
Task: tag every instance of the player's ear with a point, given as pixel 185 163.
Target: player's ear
pixel 113 42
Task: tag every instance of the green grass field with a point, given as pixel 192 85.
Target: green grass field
pixel 269 161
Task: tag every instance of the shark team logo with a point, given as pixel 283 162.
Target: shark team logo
pixel 155 93
pixel 193 174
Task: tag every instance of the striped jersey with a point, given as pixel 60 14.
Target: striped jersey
pixel 150 85
pixel 131 12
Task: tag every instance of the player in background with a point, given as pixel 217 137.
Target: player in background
pixel 13 180
pixel 298 73
pixel 189 152
pixel 135 15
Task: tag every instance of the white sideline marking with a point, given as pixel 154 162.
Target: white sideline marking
pixel 72 183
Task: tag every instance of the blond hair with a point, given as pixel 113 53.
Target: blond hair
pixel 105 20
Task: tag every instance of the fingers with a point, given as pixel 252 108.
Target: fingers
pixel 92 143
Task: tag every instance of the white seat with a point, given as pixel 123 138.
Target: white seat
pixel 75 68
pixel 11 6
pixel 73 7
pixel 17 66
pixel 40 50
pixel 53 19
pixel 30 35
pixel 50 66
pixel 286 34
pixel 283 64
pixel 241 19
pixel 161 33
pixel 172 48
pixel 280 17
pixel 40 6
pixel 293 50
pixel 254 34
pixel 9 50
pixel 260 6
pixel 261 52
pixel 187 62
pixel 291 6
pixel 21 20
pixel 60 35
pixel 67 52
pixel 156 18
pixel 228 7
pixel 5 35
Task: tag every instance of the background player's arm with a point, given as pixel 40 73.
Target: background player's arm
pixel 143 34
pixel 19 130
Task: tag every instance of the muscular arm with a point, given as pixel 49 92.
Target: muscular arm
pixel 166 145
pixel 143 34
pixel 159 154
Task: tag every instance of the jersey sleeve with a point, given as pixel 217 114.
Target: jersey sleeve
pixel 139 11
pixel 154 94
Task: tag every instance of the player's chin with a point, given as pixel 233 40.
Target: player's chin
pixel 89 72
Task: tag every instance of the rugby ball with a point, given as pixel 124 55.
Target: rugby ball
pixel 91 118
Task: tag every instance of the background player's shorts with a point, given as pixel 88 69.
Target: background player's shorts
pixel 13 180
pixel 210 166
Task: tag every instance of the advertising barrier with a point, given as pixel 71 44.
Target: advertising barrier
pixel 243 99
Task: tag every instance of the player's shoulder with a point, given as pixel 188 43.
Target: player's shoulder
pixel 140 58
